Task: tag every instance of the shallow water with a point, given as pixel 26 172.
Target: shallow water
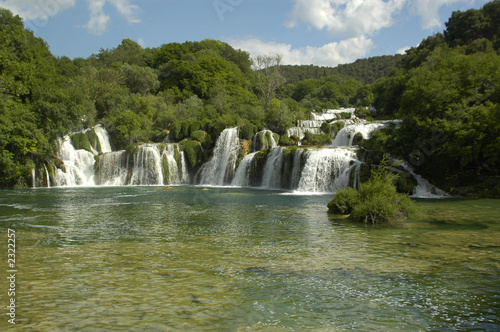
pixel 135 258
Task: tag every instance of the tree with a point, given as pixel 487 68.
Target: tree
pixel 376 201
pixel 269 77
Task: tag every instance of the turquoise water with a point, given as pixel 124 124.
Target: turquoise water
pixel 184 258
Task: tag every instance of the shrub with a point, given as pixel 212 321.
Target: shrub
pixel 326 128
pixel 344 201
pixel 376 201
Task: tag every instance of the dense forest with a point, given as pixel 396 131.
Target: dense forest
pixel 446 91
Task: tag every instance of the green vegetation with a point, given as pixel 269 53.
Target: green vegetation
pixel 376 201
pixel 446 91
pixel 447 94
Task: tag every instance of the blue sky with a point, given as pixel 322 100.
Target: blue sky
pixel 320 32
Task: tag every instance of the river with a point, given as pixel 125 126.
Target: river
pixel 228 259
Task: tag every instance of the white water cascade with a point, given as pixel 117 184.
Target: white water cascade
pixel 346 135
pixel 147 166
pixel 104 139
pixel 327 169
pixel 331 114
pixel 271 178
pixel 78 164
pixel 174 165
pixel 423 189
pixel 112 169
pixel 219 170
pixel 242 175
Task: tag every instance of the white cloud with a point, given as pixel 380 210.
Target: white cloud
pixel 127 10
pixel 141 42
pixel 37 9
pixel 403 50
pixel 98 20
pixel 351 18
pixel 428 10
pixel 331 54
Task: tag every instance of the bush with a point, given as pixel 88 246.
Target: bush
pixel 344 201
pixel 376 201
pixel 326 128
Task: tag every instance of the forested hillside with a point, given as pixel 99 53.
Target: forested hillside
pixel 446 91
pixel 448 95
pixel 365 71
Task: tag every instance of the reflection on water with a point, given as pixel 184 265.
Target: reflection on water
pixel 134 258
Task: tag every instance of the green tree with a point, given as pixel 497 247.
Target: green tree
pixel 376 201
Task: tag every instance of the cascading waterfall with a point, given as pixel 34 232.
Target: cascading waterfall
pixel 321 170
pixel 47 175
pixel 423 189
pixel 327 169
pixel 297 158
pixel 346 135
pixel 271 178
pixel 328 115
pixel 78 164
pixel 104 139
pixel 219 170
pixel 242 175
pixel 112 169
pixel 174 164
pixel 147 166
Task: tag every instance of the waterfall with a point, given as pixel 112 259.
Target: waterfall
pixel 242 176
pixel 271 177
pixel 264 139
pixel 174 164
pixel 326 169
pixel 147 168
pixel 112 169
pixel 331 114
pixel 346 135
pixel 423 189
pixel 78 164
pixel 104 140
pixel 220 168
pixel 47 175
pixel 33 178
pixel 296 169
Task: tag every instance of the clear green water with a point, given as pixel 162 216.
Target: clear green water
pixel 149 258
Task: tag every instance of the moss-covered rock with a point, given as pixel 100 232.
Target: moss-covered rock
pixel 288 141
pixel 405 182
pixel 357 138
pixel 80 141
pixel 193 151
pixel 314 140
pixel 257 167
pixel 199 135
pixel 94 140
